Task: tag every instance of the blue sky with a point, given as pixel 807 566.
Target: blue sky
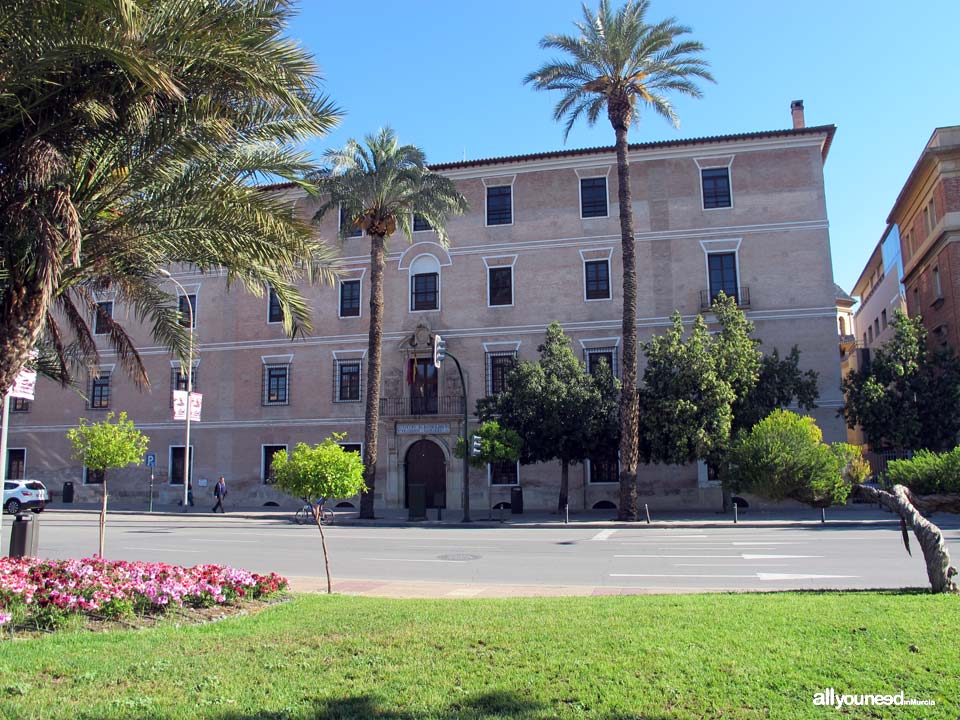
pixel 448 77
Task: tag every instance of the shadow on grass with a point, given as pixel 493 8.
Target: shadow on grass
pixel 485 706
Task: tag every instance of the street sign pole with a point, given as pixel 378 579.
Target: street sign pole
pixel 151 460
pixel 3 453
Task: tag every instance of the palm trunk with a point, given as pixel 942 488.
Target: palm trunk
pixel 564 485
pixel 103 514
pixel 20 326
pixel 936 556
pixel 371 417
pixel 318 517
pixel 619 113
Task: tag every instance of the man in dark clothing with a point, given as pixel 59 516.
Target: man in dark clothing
pixel 220 492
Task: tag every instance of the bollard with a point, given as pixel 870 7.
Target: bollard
pixel 735 506
pixel 646 510
pixel 566 513
pixel 823 515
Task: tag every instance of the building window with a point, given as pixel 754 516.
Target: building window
pixel 354 231
pixel 184 305
pixel 274 311
pixel 176 465
pixel 597 279
pixel 930 217
pixel 504 473
pixel 870 333
pixel 604 469
pixel 716 187
pixel 499 365
pixel 347 381
pixel 876 327
pixel 102 317
pixel 350 298
pixel 500 205
pixel 178 381
pixel 420 223
pixel 937 288
pixel 593 197
pixel 95 477
pixel 276 384
pixel 500 285
pixel 864 338
pixel 267 462
pixel 100 391
pixel 16 464
pixel 594 356
pixel 353 447
pixel 883 319
pixel 723 274
pixel 425 291
pixel 19 405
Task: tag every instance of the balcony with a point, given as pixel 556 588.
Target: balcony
pixel 420 407
pixel 742 298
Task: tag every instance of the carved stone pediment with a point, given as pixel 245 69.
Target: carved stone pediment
pixel 420 340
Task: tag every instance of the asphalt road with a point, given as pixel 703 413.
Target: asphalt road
pixel 652 557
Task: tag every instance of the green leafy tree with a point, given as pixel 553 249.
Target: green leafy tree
pixel 784 457
pixel 378 186
pixel 619 63
pixel 908 398
pixel 106 445
pixel 497 444
pixel 780 383
pixel 559 410
pixel 685 404
pixel 325 470
pixel 132 135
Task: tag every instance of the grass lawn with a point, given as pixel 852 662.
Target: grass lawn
pixel 692 656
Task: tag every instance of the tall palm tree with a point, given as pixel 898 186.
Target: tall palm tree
pixel 618 62
pixel 380 185
pixel 132 136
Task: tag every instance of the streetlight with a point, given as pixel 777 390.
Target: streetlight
pixel 186 446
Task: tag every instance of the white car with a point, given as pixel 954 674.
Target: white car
pixel 20 495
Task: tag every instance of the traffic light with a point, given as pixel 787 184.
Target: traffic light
pixel 475 445
pixel 439 350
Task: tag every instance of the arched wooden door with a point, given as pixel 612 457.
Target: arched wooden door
pixel 425 465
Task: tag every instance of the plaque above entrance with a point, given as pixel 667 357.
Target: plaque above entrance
pixel 423 428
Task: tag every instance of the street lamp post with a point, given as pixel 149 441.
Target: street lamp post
pixel 186 446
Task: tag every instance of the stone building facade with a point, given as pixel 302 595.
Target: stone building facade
pixel 541 242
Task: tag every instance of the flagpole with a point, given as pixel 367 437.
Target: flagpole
pixel 3 455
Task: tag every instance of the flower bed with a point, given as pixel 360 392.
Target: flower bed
pixel 45 593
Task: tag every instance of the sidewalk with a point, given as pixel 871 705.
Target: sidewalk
pixel 855 515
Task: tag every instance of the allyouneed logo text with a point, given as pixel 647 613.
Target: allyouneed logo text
pixel 831 698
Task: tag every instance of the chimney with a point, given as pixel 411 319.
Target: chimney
pixel 796 110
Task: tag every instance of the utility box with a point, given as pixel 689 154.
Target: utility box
pixel 68 492
pixel 516 500
pixel 24 535
pixel 417 501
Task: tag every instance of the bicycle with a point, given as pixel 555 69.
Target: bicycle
pixel 307 514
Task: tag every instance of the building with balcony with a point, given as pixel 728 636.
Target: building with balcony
pixel 927 212
pixel 744 213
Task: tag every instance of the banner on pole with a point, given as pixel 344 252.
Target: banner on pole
pixel 25 384
pixel 180 405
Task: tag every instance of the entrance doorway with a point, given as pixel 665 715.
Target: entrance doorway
pixel 425 466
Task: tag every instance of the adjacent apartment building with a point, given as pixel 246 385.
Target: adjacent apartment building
pixel 744 213
pixel 927 213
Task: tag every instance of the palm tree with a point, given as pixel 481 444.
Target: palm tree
pixel 379 186
pixel 618 62
pixel 132 136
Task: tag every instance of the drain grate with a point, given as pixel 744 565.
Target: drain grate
pixel 459 557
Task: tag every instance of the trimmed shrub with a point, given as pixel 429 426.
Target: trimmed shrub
pixel 927 473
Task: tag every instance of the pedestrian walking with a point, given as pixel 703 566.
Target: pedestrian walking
pixel 190 492
pixel 220 492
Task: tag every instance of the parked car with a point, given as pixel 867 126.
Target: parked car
pixel 20 495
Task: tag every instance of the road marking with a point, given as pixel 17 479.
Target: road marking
pixel 758 576
pixel 772 542
pixel 736 565
pixel 603 535
pixel 742 556
pixel 381 559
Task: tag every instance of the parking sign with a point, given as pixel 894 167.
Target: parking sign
pixel 151 459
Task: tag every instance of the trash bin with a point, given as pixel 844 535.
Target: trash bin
pixel 417 501
pixel 516 500
pixel 24 535
pixel 68 492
